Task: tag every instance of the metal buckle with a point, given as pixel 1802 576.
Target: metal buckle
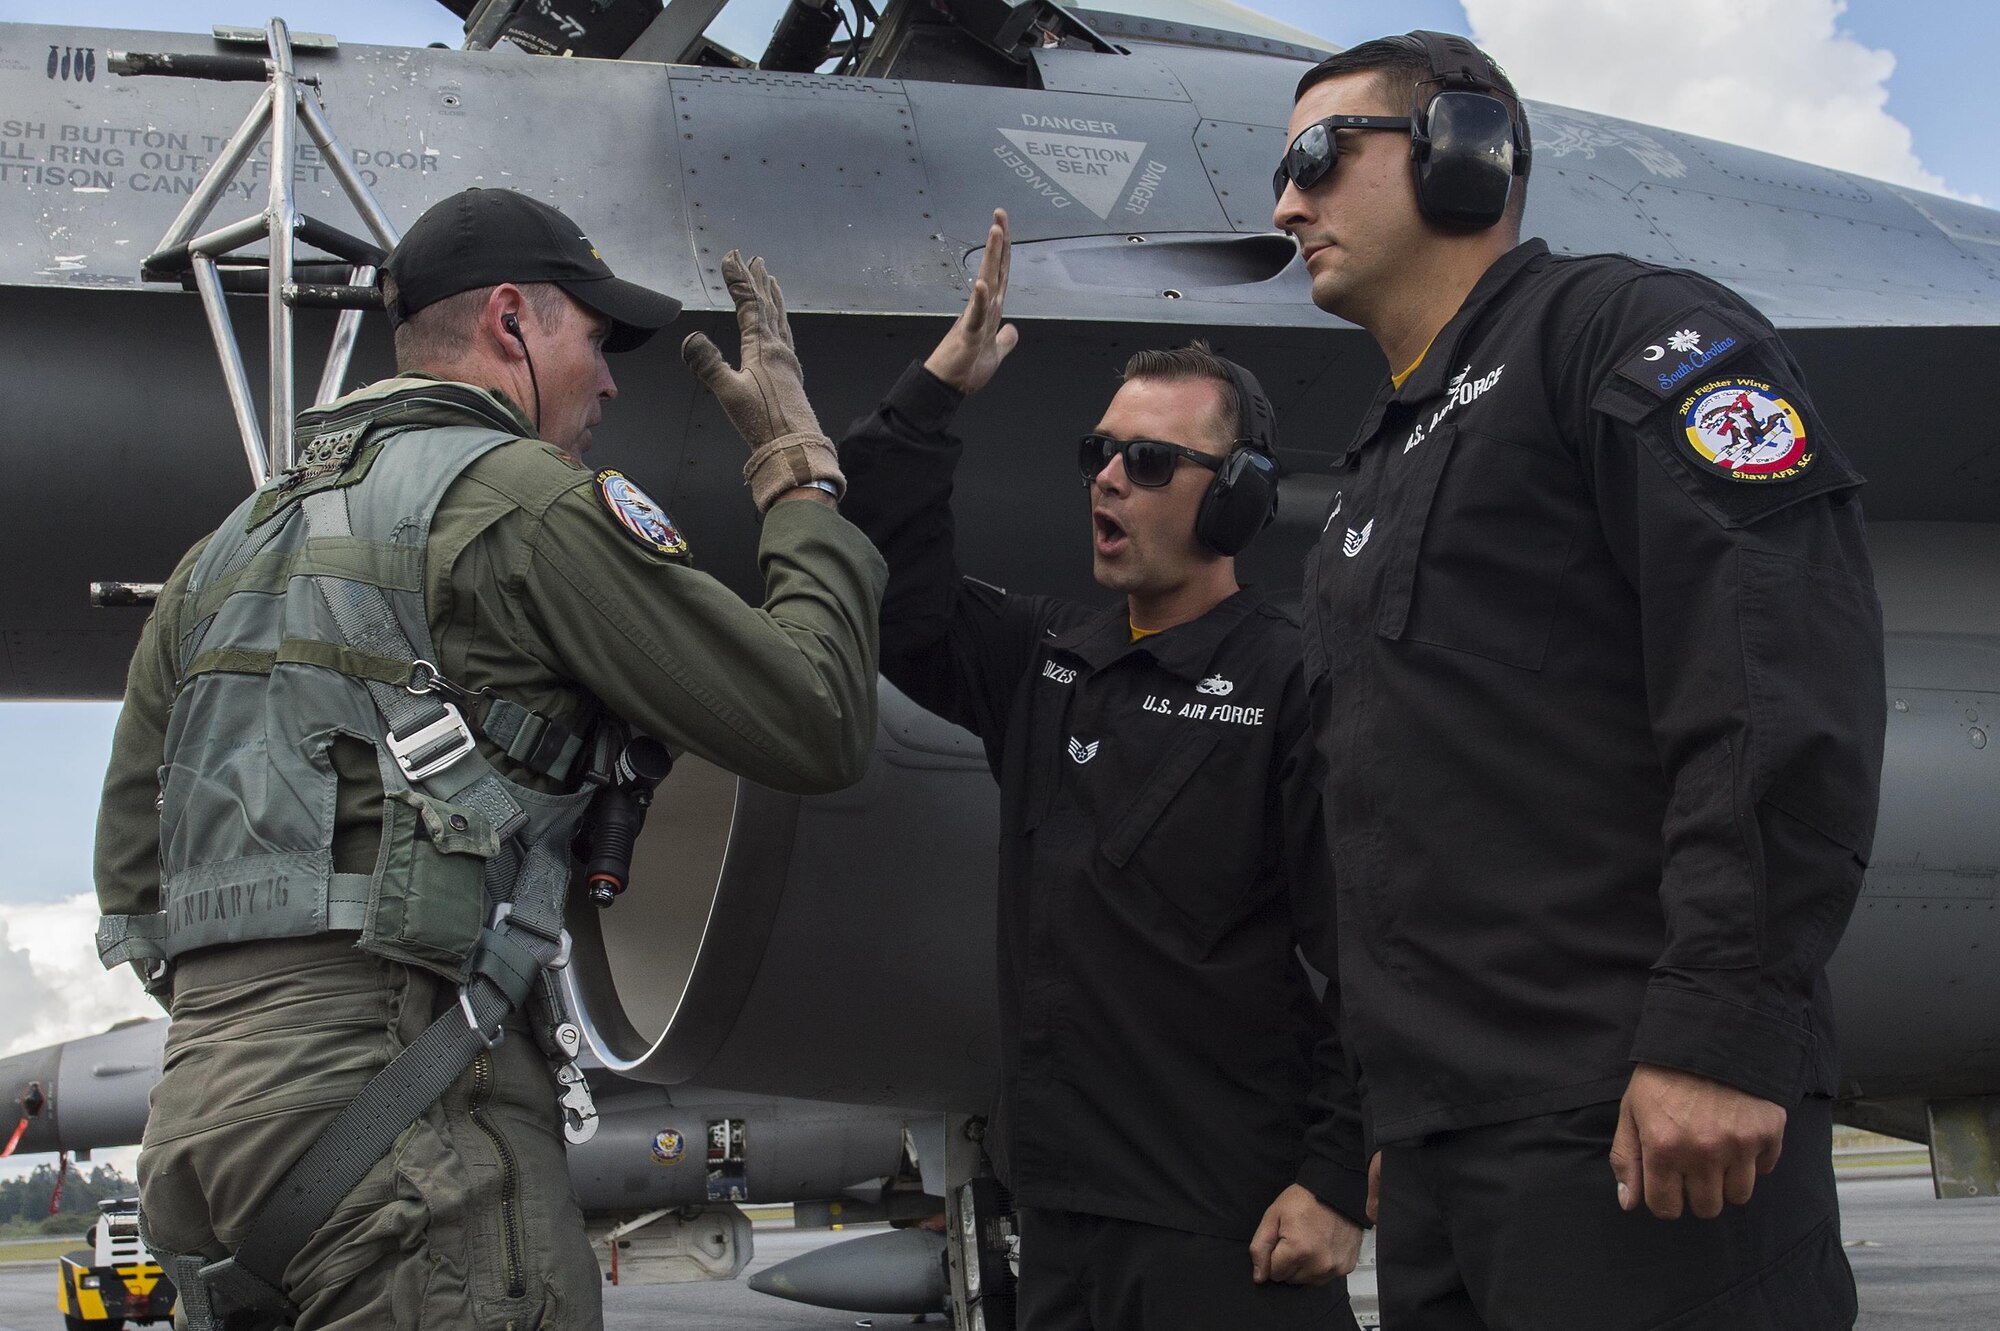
pixel 579 1110
pixel 499 1027
pixel 453 721
pixel 506 908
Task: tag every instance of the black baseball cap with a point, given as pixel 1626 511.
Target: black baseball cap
pixel 483 237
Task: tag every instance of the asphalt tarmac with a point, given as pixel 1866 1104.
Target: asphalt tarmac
pixel 1920 1264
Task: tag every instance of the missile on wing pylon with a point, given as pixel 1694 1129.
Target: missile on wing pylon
pixel 82 1094
pixel 901 1271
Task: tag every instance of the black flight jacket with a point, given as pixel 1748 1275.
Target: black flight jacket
pixel 1597 668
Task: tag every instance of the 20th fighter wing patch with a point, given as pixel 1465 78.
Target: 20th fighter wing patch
pixel 1742 429
pixel 1695 344
pixel 641 518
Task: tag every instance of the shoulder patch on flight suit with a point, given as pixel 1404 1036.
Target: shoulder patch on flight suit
pixel 1695 343
pixel 1743 430
pixel 643 520
pixel 1726 440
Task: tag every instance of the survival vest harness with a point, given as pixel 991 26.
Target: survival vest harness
pixel 304 619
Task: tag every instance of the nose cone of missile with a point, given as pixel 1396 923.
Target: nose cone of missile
pixel 901 1271
pixel 28 1084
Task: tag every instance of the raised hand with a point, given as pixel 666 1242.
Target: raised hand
pixel 979 341
pixel 765 399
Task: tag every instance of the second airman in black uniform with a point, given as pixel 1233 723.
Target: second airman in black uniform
pixel 1180 1131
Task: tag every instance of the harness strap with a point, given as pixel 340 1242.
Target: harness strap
pixel 425 736
pixel 363 1133
pixel 347 901
pixel 248 546
pixel 270 572
pixel 184 1269
pixel 123 938
pixel 302 651
pixel 531 739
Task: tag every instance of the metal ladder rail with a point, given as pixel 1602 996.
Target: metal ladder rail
pixel 287 101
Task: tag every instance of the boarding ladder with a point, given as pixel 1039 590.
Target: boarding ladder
pixel 213 261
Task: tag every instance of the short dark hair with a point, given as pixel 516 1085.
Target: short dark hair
pixel 437 333
pixel 1191 362
pixel 1402 67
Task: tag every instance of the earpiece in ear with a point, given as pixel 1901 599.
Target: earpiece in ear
pixel 512 325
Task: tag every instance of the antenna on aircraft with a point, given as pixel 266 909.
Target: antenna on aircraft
pixel 287 101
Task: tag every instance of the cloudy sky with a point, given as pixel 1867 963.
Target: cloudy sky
pixel 1883 89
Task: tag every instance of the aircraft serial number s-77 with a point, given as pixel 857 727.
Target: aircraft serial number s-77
pixel 844 954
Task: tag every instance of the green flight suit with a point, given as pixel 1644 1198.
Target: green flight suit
pixel 536 590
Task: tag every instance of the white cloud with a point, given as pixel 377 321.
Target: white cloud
pixel 51 986
pixel 1777 75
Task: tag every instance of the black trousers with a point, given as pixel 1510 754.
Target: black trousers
pixel 1516 1227
pixel 1092 1273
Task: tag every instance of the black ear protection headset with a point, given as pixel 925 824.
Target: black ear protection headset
pixel 1243 497
pixel 1466 147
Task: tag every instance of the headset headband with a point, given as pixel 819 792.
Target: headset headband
pixel 1456 65
pixel 1456 62
pixel 1257 421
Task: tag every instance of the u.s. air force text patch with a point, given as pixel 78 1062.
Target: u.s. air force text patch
pixel 1743 430
pixel 643 519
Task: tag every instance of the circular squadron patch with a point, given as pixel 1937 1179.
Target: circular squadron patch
pixel 668 1146
pixel 636 512
pixel 1742 429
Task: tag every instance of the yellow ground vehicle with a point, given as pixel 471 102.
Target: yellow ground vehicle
pixel 115 1280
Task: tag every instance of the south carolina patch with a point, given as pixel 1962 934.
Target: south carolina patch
pixel 1743 430
pixel 639 515
pixel 1697 342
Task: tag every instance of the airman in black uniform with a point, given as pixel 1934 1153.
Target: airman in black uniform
pixel 1174 1092
pixel 1597 668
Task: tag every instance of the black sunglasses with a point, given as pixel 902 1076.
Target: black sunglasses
pixel 1317 148
pixel 1148 462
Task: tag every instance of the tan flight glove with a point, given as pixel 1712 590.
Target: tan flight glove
pixel 766 399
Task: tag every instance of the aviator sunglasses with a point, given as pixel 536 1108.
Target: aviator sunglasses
pixel 1311 157
pixel 1148 462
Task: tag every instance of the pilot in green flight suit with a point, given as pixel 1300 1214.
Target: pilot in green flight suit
pixel 300 844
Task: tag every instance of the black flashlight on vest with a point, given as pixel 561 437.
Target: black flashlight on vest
pixel 619 812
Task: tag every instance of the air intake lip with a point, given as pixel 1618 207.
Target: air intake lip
pixel 1228 265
